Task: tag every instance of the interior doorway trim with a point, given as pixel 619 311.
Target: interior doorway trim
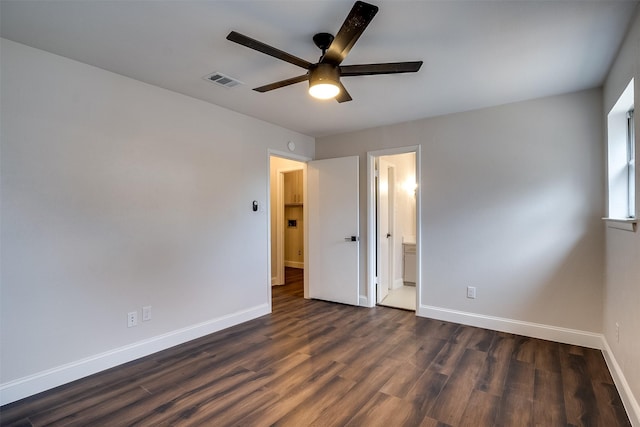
pixel 302 159
pixel 371 220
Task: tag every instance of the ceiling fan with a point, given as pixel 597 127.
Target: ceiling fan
pixel 324 76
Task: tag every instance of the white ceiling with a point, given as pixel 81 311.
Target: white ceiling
pixel 476 53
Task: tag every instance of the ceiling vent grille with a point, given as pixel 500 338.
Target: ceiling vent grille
pixel 222 80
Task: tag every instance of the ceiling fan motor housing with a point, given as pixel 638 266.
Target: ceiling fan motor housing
pixel 323 73
pixel 323 41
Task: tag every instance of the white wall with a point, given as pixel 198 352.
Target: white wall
pixel 622 283
pixel 511 199
pixel 115 195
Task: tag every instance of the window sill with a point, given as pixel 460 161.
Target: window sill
pixel 627 224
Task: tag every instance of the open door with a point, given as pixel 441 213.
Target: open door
pixel 333 224
pixel 385 197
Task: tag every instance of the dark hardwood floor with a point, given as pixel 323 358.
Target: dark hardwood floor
pixel 313 363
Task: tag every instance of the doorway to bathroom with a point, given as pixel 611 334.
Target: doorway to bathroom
pixel 396 268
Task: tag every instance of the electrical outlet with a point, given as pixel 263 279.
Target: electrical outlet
pixel 471 292
pixel 146 313
pixel 132 319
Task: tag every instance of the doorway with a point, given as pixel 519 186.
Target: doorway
pixel 287 177
pixel 330 227
pixel 395 211
pixel 335 188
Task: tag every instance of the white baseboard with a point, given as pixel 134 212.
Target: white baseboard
pixel 551 333
pixel 364 302
pixel 45 380
pixel 42 381
pixel 529 329
pixel 294 264
pixel 628 399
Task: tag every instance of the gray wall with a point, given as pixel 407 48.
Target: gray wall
pixel 511 199
pixel 622 284
pixel 116 195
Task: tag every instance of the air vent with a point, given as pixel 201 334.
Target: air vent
pixel 222 80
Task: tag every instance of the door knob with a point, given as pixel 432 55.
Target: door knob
pixel 351 239
pixel 388 235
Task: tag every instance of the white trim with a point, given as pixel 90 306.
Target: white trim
pixel 547 332
pixel 287 155
pixel 364 302
pixel 419 226
pixel 294 264
pixel 629 401
pixel 519 327
pixel 305 232
pixel 397 283
pixel 627 224
pixel 371 232
pixel 27 386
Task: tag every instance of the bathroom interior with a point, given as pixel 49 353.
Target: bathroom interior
pixel 396 225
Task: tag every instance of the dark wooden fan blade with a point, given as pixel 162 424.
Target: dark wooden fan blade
pixel 360 16
pixel 386 68
pixel 269 50
pixel 282 83
pixel 343 96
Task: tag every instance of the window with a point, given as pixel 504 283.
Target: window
pixel 631 166
pixel 621 162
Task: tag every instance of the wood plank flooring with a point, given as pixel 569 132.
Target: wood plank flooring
pixel 313 363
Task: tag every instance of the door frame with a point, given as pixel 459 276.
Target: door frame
pixel 297 158
pixel 371 221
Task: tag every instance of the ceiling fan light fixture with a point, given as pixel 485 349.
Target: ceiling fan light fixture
pixel 324 90
pixel 324 81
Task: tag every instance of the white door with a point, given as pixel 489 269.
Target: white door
pixel 385 228
pixel 332 209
